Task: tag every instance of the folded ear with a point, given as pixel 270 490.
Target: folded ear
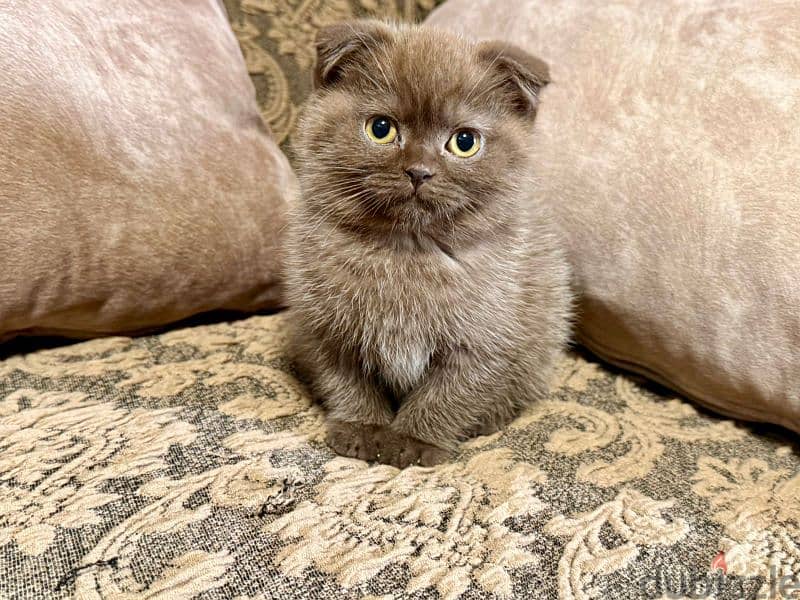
pixel 520 74
pixel 342 45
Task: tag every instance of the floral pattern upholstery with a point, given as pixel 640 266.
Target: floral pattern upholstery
pixel 192 464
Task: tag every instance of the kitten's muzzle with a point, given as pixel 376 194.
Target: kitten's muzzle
pixel 419 175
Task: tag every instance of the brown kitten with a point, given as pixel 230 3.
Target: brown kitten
pixel 429 294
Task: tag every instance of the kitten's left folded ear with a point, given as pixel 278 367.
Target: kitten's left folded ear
pixel 343 45
pixel 522 75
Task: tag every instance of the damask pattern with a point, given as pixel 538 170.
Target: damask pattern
pixel 277 40
pixel 192 464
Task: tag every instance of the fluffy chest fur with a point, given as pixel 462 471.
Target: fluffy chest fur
pixel 401 358
pixel 396 307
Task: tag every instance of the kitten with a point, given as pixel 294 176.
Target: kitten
pixel 429 293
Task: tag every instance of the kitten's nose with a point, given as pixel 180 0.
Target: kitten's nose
pixel 419 175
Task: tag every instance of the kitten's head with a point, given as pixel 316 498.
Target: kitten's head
pixel 415 129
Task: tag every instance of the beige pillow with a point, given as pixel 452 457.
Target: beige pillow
pixel 138 184
pixel 670 150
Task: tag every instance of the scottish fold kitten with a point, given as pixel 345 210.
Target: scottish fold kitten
pixel 429 293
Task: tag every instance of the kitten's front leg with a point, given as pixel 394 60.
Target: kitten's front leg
pixel 359 421
pixel 458 396
pixel 356 410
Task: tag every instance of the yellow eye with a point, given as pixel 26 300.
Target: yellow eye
pixel 464 143
pixel 381 130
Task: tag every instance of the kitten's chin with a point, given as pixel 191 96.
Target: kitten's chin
pixel 414 211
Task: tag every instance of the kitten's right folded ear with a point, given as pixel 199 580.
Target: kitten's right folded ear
pixel 523 75
pixel 343 45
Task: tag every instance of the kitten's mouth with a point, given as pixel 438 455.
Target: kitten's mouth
pixel 410 199
pixel 420 194
pixel 407 207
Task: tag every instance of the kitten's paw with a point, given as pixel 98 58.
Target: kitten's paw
pixel 355 440
pixel 403 451
pixel 375 442
pixel 484 429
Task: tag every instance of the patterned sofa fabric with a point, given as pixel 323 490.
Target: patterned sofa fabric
pixel 191 464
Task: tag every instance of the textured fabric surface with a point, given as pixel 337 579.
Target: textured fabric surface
pixel 138 184
pixel 191 464
pixel 670 149
pixel 277 39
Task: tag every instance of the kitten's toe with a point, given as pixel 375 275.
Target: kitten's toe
pixel 388 446
pixel 485 429
pixel 406 457
pixel 433 455
pixel 351 439
pixel 404 451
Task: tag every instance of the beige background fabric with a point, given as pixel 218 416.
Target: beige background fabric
pixel 138 184
pixel 670 150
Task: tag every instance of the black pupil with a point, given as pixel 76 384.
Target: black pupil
pixel 381 128
pixel 465 141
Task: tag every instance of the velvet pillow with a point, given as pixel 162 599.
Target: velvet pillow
pixel 138 184
pixel 670 151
